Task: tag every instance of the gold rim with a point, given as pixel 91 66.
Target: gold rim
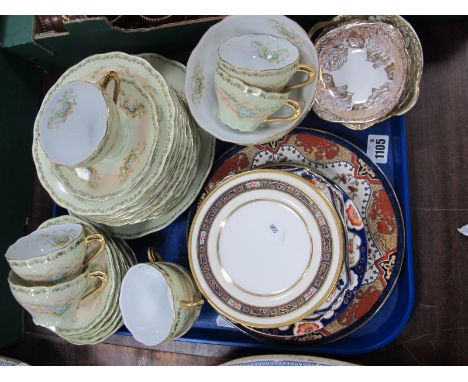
pixel 340 254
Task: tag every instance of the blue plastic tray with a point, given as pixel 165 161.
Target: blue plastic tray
pixel 382 329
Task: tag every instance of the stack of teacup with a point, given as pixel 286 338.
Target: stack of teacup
pixel 67 276
pixel 252 80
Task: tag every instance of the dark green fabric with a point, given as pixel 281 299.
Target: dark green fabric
pixel 21 87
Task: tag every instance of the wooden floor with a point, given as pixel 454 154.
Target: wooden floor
pixel 437 132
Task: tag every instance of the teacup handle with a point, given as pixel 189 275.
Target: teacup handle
pixel 190 304
pixel 99 275
pixel 102 244
pixel 296 112
pixel 153 256
pixel 309 70
pixel 105 81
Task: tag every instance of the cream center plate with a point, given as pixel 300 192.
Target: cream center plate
pixel 266 247
pixel 281 235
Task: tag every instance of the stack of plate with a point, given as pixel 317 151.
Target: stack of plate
pixel 267 247
pixel 165 160
pixel 299 240
pixel 98 316
pixel 371 69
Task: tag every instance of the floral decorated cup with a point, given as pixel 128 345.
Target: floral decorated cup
pixel 52 254
pixel 244 107
pixel 80 124
pixel 263 61
pixel 55 305
pixel 158 301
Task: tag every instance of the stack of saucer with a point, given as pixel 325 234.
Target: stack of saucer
pixel 270 247
pixel 128 155
pixel 371 69
pixel 67 275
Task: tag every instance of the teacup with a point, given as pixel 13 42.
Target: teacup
pixel 52 254
pixel 80 123
pixel 159 302
pixel 244 107
pixel 55 305
pixel 264 61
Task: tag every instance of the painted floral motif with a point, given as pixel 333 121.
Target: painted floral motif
pixel 131 106
pixel 198 83
pixel 341 99
pixel 353 217
pixel 384 48
pixel 377 96
pixel 242 110
pixel 318 147
pixel 302 328
pixel 336 59
pixel 62 110
pixel 286 32
pixel 276 55
pixel 131 161
pixel 57 239
pixel 56 310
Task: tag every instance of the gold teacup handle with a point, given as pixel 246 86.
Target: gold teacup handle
pixel 309 70
pixel 296 112
pixel 190 304
pixel 102 245
pixel 105 81
pixel 92 275
pixel 153 256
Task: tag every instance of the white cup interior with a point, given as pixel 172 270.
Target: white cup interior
pixel 44 241
pixel 73 123
pixel 146 304
pixel 258 52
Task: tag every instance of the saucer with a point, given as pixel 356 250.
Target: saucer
pixel 364 72
pixel 412 45
pixel 199 83
pixel 366 185
pixel 115 176
pixel 266 248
